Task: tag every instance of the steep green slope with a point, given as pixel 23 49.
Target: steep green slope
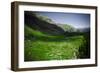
pixel 38 23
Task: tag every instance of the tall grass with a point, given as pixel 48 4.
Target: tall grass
pixel 40 46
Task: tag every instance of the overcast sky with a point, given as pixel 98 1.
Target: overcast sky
pixel 77 20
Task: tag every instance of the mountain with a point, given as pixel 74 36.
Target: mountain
pixel 66 27
pixel 83 29
pixel 45 24
pixel 44 18
pixel 41 23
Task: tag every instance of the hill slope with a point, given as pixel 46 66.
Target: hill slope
pixel 36 23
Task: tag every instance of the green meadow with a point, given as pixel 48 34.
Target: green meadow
pixel 41 46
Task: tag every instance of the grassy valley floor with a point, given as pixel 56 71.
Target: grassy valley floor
pixel 40 46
